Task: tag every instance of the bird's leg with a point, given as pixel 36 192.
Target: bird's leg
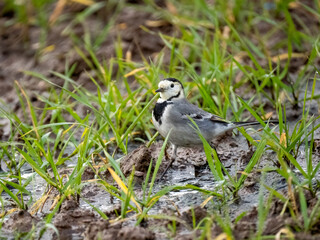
pixel 249 144
pixel 175 148
pixel 166 154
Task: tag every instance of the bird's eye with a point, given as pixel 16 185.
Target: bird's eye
pixel 172 85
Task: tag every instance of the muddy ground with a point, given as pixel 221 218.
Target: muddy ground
pixel 75 219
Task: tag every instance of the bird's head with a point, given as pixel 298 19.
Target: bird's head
pixel 170 88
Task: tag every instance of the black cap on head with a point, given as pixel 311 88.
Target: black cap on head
pixel 174 80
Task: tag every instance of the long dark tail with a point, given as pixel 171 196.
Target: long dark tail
pixel 253 123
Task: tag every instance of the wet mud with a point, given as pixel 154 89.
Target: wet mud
pixel 103 230
pixel 75 219
pixel 278 218
pixel 21 221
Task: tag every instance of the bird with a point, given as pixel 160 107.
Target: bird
pixel 172 113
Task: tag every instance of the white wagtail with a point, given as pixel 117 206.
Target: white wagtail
pixel 173 111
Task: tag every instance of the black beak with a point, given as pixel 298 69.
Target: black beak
pixel 160 90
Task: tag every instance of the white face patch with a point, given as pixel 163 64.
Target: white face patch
pixel 170 89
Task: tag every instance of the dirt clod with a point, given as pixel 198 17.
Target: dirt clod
pixel 246 226
pixel 87 174
pixel 197 214
pixel 72 220
pixel 69 205
pixel 21 221
pixel 140 158
pixel 102 230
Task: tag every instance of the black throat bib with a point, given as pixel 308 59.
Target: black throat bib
pixel 159 110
